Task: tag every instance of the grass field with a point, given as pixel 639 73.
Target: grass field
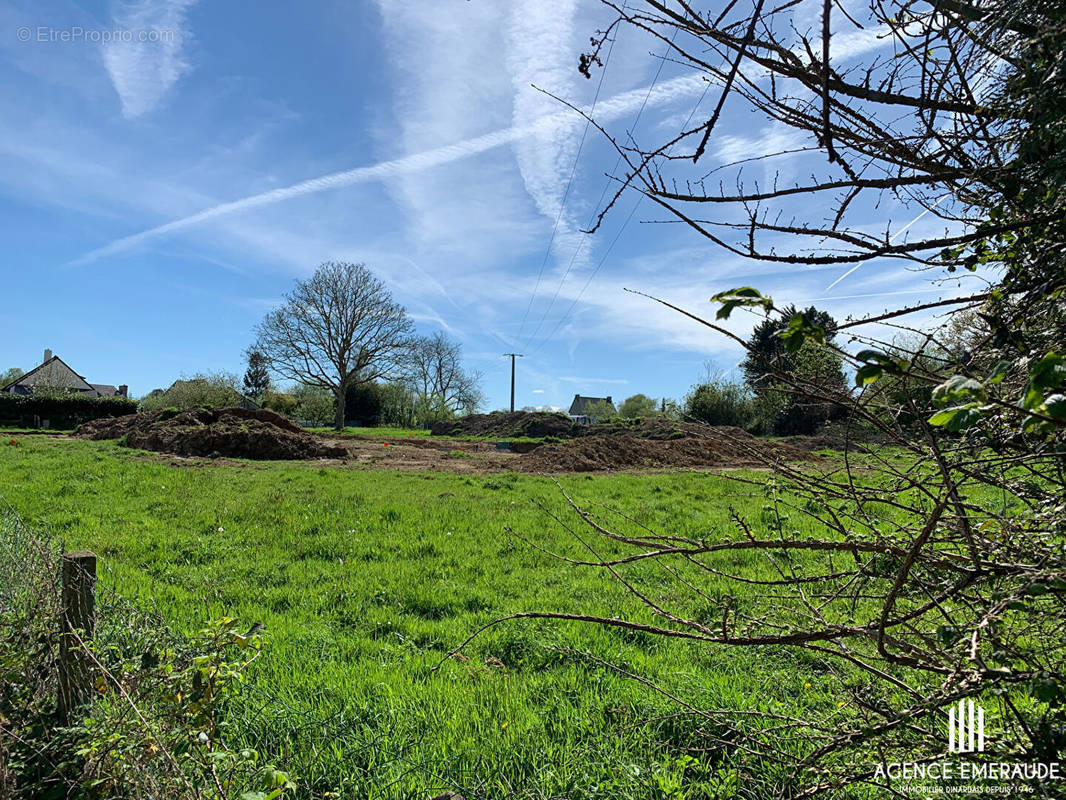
pixel 365 580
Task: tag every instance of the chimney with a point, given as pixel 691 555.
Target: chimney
pixel 609 399
pixel 123 390
pixel 47 355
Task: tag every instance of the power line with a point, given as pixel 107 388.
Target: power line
pixel 566 192
pixel 617 235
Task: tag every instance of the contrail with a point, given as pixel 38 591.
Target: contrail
pixel 608 110
pixel 893 238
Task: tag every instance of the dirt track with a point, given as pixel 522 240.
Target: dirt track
pixel 414 453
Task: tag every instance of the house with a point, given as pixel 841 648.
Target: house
pixel 579 408
pixel 54 374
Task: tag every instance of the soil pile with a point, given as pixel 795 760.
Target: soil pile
pixel 663 429
pixel 507 425
pixel 214 433
pixel 622 449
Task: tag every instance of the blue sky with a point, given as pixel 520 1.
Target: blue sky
pixel 156 199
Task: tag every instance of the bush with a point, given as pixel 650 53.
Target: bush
pixel 61 410
pixel 722 402
pixel 363 405
pixel 397 405
pixel 601 411
pixel 281 402
pixel 819 372
pixel 161 721
pixel 314 405
pixel 204 389
pixel 637 406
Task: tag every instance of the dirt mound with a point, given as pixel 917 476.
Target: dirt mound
pixel 506 425
pixel 663 429
pixel 214 433
pixel 841 436
pixel 712 447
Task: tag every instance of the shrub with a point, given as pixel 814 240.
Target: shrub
pixel 314 405
pixel 601 411
pixel 821 395
pixel 160 722
pixel 721 402
pixel 204 389
pixel 281 402
pixel 363 405
pixel 637 406
pixel 61 410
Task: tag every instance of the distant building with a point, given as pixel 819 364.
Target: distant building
pixel 580 407
pixel 54 374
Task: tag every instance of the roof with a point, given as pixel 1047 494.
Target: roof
pixel 581 404
pixel 55 372
pixel 55 361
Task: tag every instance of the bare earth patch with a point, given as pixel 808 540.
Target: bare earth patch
pixel 239 433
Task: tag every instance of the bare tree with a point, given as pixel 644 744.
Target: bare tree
pixel 433 368
pixel 924 120
pixel 904 578
pixel 337 329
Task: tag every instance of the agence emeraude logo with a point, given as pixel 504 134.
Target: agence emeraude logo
pixel 966 734
pixel 960 772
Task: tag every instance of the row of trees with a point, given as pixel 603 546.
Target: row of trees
pixel 340 348
pixel 796 390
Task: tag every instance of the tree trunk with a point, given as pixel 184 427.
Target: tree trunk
pixel 338 420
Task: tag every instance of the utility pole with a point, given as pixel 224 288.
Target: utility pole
pixel 513 357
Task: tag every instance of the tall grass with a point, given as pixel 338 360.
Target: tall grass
pixel 366 580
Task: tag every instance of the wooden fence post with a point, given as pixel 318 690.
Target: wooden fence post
pixel 77 624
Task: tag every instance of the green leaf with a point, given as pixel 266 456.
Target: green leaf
pixel 1055 405
pixel 941 418
pixel 999 371
pixel 956 418
pixel 741 296
pixel 877 364
pixel 1045 689
pixel 956 388
pixel 876 357
pixel 799 330
pixel 1049 372
pixel 948 634
pixel 868 374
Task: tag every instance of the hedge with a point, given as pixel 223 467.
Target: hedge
pixel 26 408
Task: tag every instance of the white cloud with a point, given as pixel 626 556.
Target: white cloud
pixel 540 54
pixel 616 107
pixel 149 59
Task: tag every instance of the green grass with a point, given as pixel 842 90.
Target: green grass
pixel 365 580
